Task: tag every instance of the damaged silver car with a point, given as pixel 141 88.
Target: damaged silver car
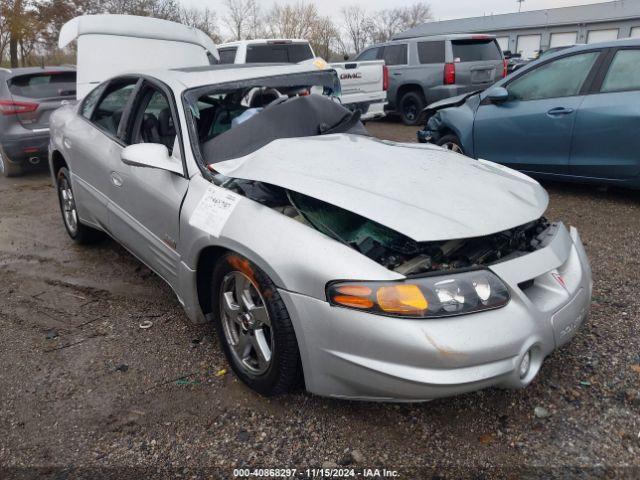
pixel 359 268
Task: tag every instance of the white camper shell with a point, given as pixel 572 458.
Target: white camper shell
pixel 109 45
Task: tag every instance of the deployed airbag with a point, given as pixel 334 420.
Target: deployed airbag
pixel 297 117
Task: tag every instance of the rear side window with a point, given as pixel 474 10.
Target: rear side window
pixel 624 72
pixel 431 52
pixel 227 55
pixel 475 50
pixel 278 53
pixel 108 113
pixel 395 54
pixel 371 54
pixel 89 102
pixel 560 78
pixel 44 85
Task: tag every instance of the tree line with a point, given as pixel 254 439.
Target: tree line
pixel 29 28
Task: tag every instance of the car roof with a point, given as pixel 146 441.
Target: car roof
pixel 624 42
pixel 432 38
pixel 260 41
pixel 12 72
pixel 191 77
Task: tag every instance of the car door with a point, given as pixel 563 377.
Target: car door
pixel 532 129
pixel 92 141
pixel 145 204
pixel 605 140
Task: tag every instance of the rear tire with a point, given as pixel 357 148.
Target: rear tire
pixel 451 142
pixel 79 233
pixel 9 169
pixel 254 327
pixel 411 105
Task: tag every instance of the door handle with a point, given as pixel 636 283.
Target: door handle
pixel 397 74
pixel 116 179
pixel 555 112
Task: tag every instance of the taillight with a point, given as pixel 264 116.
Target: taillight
pixel 449 73
pixel 385 78
pixel 9 107
pixel 505 68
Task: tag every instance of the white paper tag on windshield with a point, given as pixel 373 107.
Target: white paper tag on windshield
pixel 214 209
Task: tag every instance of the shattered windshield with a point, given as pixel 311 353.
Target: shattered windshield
pixel 236 119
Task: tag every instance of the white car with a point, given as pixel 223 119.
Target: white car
pixel 363 84
pixel 360 268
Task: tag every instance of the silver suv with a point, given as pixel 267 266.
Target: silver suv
pixel 423 70
pixel 27 98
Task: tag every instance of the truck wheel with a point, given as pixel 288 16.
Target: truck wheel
pixel 451 142
pixel 411 104
pixel 9 169
pixel 78 232
pixel 254 327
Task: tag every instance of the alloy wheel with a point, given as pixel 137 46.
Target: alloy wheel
pixel 410 110
pixel 246 323
pixel 68 204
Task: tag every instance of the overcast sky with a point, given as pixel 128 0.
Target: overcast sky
pixel 442 9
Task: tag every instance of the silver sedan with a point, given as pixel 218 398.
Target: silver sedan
pixel 356 267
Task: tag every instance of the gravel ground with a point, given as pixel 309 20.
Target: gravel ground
pixel 84 387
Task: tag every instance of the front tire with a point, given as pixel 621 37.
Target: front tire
pixel 9 169
pixel 451 142
pixel 411 105
pixel 78 232
pixel 254 327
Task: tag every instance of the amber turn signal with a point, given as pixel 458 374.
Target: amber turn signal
pixel 402 299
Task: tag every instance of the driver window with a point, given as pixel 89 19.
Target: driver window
pixel 154 122
pixel 560 78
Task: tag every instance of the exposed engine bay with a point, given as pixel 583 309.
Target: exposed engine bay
pixel 387 247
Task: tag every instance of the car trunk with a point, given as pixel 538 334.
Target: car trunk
pixel 39 94
pixel 478 61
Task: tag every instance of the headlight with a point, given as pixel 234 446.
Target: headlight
pixel 423 297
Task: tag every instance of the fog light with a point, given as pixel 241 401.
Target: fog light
pixel 525 364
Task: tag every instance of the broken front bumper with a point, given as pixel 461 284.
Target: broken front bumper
pixel 357 355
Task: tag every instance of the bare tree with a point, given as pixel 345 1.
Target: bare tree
pixel 388 23
pixel 4 33
pixel 239 17
pixel 255 26
pixel 292 21
pixel 323 37
pixel 202 19
pixel 416 14
pixel 358 27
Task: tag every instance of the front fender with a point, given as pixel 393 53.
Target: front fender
pixel 296 257
pixel 458 120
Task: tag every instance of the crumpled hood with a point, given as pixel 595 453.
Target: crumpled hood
pixel 451 101
pixel 424 192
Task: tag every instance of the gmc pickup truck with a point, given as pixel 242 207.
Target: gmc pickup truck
pixel 364 84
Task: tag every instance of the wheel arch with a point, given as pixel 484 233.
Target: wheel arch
pixel 207 260
pixel 56 163
pixel 406 88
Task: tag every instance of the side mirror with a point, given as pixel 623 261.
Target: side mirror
pixel 150 155
pixel 346 57
pixel 498 94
